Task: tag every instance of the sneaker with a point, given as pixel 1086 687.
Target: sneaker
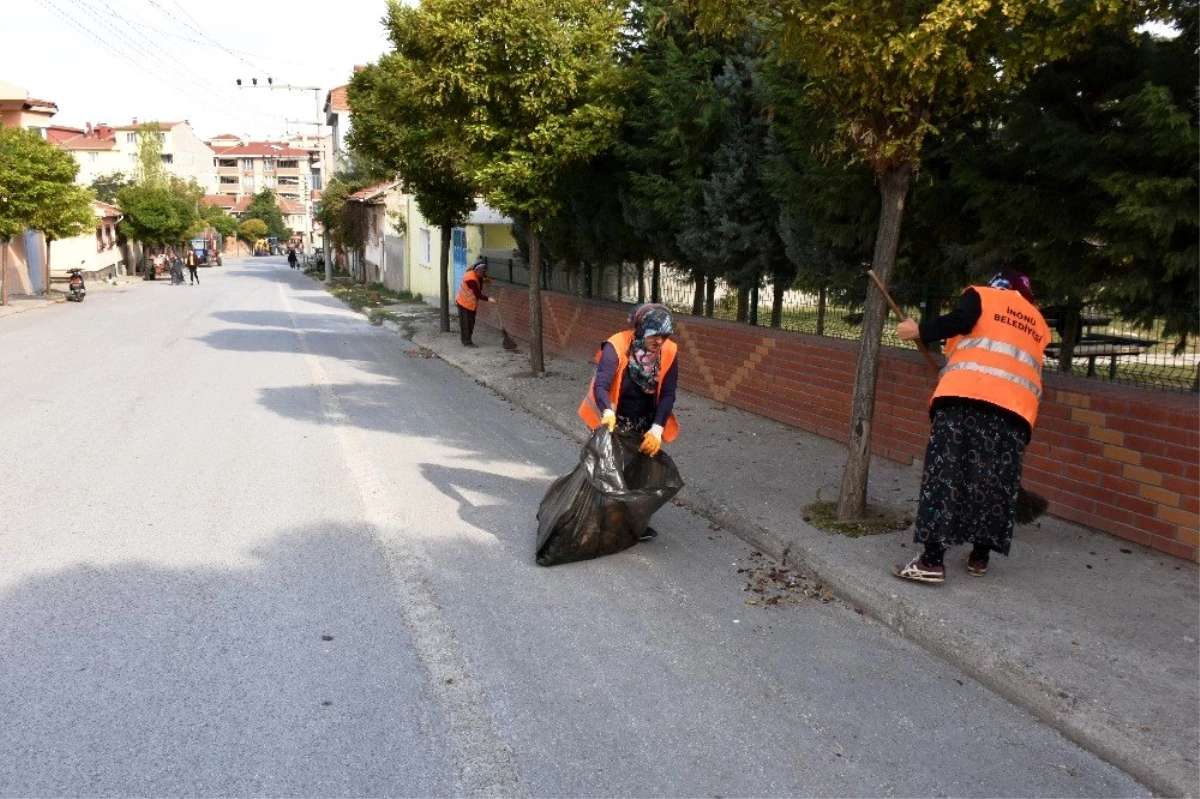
pixel 648 534
pixel 976 568
pixel 918 571
pixel 470 344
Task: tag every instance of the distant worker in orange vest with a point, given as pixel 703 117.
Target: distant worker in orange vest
pixel 470 292
pixel 982 412
pixel 633 391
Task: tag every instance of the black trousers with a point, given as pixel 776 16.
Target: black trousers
pixel 192 273
pixel 466 324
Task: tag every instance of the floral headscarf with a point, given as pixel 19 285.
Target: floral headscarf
pixel 1013 280
pixel 650 319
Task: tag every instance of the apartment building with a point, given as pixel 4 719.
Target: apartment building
pixel 102 149
pixel 19 110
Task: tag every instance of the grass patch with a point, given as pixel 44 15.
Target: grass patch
pixel 823 515
pixel 375 295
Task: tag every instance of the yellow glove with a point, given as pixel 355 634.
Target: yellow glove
pixel 652 441
pixel 609 420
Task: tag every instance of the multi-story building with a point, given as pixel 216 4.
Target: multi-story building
pixel 245 168
pixel 337 117
pixel 103 150
pixel 19 110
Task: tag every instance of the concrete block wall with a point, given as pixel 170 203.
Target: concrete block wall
pixel 1114 458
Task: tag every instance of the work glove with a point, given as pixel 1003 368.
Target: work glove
pixel 609 420
pixel 652 441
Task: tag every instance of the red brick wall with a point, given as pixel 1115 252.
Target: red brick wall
pixel 1118 459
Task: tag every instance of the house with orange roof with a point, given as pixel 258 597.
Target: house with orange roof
pixel 19 110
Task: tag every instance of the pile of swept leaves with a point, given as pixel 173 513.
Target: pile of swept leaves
pixel 775 585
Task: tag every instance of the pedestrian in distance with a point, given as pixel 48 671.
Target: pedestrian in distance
pixel 192 268
pixel 470 294
pixel 982 414
pixel 176 268
pixel 292 258
pixel 633 390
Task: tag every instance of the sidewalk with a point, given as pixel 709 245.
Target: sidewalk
pixel 20 303
pixel 1092 634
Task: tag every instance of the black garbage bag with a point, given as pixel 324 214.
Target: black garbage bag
pixel 605 504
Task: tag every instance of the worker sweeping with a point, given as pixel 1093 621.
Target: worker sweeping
pixel 982 414
pixel 470 293
pixel 633 391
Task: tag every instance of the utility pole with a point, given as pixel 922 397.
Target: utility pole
pixel 316 90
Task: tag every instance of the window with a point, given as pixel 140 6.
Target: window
pixel 289 181
pixel 168 158
pixel 269 182
pixel 131 138
pixel 247 163
pixel 93 157
pixel 229 180
pixel 426 245
pixel 227 162
pixel 288 164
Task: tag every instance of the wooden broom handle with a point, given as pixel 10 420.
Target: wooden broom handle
pixel 901 316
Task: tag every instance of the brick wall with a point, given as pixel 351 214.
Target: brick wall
pixel 1118 459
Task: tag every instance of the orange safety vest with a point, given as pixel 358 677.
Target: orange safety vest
pixel 1000 360
pixel 466 297
pixel 589 412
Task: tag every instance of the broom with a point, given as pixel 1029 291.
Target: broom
pixel 1030 504
pixel 506 340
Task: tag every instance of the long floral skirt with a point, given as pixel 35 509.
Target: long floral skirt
pixel 971 479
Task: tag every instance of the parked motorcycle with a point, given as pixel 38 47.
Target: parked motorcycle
pixel 75 288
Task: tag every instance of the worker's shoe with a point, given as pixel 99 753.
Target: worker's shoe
pixel 648 534
pixel 917 570
pixel 976 567
pixel 470 344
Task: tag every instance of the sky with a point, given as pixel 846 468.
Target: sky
pixel 115 60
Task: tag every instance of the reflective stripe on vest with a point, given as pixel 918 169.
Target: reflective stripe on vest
pixel 994 372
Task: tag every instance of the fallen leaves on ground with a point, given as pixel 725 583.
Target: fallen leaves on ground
pixel 420 352
pixel 773 585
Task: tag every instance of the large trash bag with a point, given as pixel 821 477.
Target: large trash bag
pixel 605 504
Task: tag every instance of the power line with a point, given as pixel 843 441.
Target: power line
pixel 126 55
pixel 191 79
pixel 157 5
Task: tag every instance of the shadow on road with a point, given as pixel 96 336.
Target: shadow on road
pixel 281 670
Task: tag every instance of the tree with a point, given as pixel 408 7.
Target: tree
pixel 891 75
pixel 536 82
pixel 149 156
pixel 251 230
pixel 107 186
pixel 38 191
pixel 394 128
pixel 160 212
pixel 265 206
pixel 216 218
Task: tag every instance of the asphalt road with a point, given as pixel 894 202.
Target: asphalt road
pixel 251 546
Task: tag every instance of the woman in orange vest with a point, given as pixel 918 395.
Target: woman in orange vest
pixel 982 412
pixel 633 391
pixel 470 292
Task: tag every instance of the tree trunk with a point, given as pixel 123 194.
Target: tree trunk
pixel 822 299
pixel 698 296
pixel 1071 327
pixel 587 279
pixel 46 268
pixel 537 364
pixel 4 274
pixel 777 302
pixel 743 304
pixel 620 279
pixel 754 302
pixel 852 502
pixel 656 282
pixel 444 277
pixel 641 269
pixel 710 293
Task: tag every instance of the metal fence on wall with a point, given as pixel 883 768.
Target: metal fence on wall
pixel 1108 348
